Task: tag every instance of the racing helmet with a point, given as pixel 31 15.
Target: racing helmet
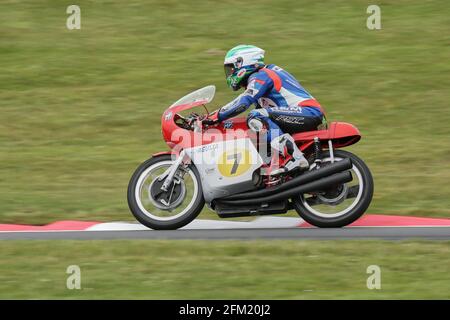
pixel 240 62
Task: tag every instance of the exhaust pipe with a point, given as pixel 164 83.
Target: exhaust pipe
pixel 335 179
pixel 305 178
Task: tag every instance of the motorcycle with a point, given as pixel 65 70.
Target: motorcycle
pixel 222 165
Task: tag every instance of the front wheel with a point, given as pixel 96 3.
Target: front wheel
pixel 342 204
pixel 161 210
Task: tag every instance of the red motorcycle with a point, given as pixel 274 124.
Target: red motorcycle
pixel 223 166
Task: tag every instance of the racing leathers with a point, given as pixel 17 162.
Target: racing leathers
pixel 283 107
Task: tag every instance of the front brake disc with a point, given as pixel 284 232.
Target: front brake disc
pixel 170 199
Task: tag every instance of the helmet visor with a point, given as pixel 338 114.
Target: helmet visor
pixel 229 69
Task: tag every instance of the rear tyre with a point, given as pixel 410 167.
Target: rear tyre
pixel 335 208
pixel 157 210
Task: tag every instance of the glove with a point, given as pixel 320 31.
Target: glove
pixel 210 122
pixel 212 119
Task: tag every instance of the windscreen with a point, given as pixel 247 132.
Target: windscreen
pixel 204 94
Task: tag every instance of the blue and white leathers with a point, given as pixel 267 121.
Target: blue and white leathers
pixel 283 105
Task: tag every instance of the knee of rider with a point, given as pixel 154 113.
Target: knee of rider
pixel 255 121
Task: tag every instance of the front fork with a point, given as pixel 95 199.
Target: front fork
pixel 169 174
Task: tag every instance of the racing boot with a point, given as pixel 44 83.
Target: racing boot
pixel 285 146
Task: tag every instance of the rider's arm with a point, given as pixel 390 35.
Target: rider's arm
pixel 258 84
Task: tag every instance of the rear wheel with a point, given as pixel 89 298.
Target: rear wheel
pixel 341 204
pixel 165 210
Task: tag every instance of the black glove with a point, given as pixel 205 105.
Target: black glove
pixel 210 122
pixel 212 118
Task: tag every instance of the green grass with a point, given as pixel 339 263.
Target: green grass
pixel 81 109
pixel 225 269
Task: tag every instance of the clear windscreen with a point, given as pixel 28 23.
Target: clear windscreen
pixel 205 94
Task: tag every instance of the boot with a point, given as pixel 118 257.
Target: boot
pixel 286 147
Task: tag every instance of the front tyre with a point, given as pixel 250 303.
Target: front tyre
pixel 342 204
pixel 165 210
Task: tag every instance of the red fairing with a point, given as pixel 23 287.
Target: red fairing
pixel 340 133
pixel 178 138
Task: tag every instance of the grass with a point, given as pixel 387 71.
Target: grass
pixel 81 109
pixel 225 269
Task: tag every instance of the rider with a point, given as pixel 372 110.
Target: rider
pixel 283 106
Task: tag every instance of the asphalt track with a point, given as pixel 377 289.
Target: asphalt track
pixel 388 233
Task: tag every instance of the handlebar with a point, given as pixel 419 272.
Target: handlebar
pixel 197 122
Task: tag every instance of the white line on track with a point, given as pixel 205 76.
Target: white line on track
pixel 258 223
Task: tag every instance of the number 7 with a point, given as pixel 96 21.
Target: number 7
pixel 237 157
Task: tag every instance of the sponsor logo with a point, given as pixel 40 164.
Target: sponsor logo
pixel 241 73
pixel 228 124
pixel 267 103
pixel 208 147
pixel 168 116
pixel 276 68
pixel 288 109
pixel 288 119
pixel 251 90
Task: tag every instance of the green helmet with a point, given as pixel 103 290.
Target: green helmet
pixel 240 62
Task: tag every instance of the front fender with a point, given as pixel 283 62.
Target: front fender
pixel 162 153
